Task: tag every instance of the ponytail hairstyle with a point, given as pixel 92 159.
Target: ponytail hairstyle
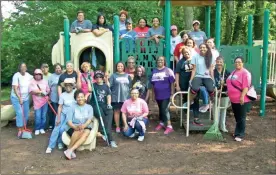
pixel 208 56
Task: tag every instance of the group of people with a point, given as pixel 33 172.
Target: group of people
pixel 66 101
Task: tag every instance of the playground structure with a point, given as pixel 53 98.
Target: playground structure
pixel 70 47
pixel 78 44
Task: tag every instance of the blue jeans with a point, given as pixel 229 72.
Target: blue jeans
pixel 57 132
pixel 204 95
pixel 51 114
pixel 138 127
pixel 18 111
pixel 40 117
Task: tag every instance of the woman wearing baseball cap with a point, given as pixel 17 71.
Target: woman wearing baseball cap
pixel 39 89
pixel 103 96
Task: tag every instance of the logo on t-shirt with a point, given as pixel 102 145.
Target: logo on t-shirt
pixel 159 76
pixel 122 79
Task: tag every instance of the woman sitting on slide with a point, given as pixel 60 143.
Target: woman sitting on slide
pixel 203 73
pixel 79 119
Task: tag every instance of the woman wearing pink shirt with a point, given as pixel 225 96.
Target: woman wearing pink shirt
pixel 39 89
pixel 238 84
pixel 134 112
pixel 85 79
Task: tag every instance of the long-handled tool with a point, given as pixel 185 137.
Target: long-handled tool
pixel 48 102
pixel 214 133
pixel 101 119
pixel 26 133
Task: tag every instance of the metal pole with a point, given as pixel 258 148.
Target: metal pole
pixel 167 30
pixel 264 63
pixel 66 40
pixel 218 22
pixel 208 21
pixel 250 31
pixel 116 39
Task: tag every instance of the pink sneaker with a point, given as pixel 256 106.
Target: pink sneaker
pixel 118 129
pixel 159 127
pixel 168 130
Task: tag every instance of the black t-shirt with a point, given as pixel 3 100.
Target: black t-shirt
pixel 218 78
pixel 66 75
pixel 102 91
pixel 99 27
pixel 184 68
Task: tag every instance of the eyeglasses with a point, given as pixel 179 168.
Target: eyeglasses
pixel 238 62
pixel 134 93
pixel 131 62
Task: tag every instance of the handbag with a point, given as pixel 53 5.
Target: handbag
pixel 251 93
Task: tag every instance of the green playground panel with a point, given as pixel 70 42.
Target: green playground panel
pixel 144 51
pixel 252 59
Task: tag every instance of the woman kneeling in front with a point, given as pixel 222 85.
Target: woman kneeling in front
pixel 134 112
pixel 79 120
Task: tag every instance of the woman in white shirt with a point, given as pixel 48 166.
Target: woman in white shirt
pixel 20 96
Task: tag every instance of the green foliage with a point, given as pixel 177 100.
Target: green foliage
pixel 29 34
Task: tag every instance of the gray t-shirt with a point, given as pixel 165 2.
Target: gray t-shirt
pixel 66 100
pixel 120 86
pixel 201 70
pixel 159 31
pixel 80 114
pixel 53 84
pixel 198 36
pixel 86 24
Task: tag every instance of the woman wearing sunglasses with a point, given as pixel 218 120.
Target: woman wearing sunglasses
pixel 39 89
pixel 103 96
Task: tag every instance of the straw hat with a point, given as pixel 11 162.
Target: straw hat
pixel 68 81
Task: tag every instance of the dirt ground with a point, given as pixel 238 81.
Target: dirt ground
pixel 158 154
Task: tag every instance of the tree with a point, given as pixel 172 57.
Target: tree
pixel 258 20
pixel 229 21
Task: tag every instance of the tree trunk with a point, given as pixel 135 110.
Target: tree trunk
pixel 229 21
pixel 238 23
pixel 258 20
pixel 188 17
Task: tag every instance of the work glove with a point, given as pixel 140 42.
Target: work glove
pixel 140 118
pixel 109 107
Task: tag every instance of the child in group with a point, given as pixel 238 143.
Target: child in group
pixel 39 89
pixel 66 100
pixel 103 95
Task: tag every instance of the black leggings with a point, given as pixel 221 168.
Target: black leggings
pixel 207 82
pixel 107 115
pixel 240 112
pixel 164 114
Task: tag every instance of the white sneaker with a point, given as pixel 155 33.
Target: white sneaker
pixel 113 144
pixel 48 150
pixel 36 132
pixel 60 146
pixel 204 108
pixel 141 138
pixel 238 139
pixel 132 135
pixel 42 131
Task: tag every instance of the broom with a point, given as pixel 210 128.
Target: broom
pixel 214 133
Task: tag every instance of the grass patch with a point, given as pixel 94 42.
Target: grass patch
pixel 5 93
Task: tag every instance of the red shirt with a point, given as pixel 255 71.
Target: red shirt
pixel 177 48
pixel 141 32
